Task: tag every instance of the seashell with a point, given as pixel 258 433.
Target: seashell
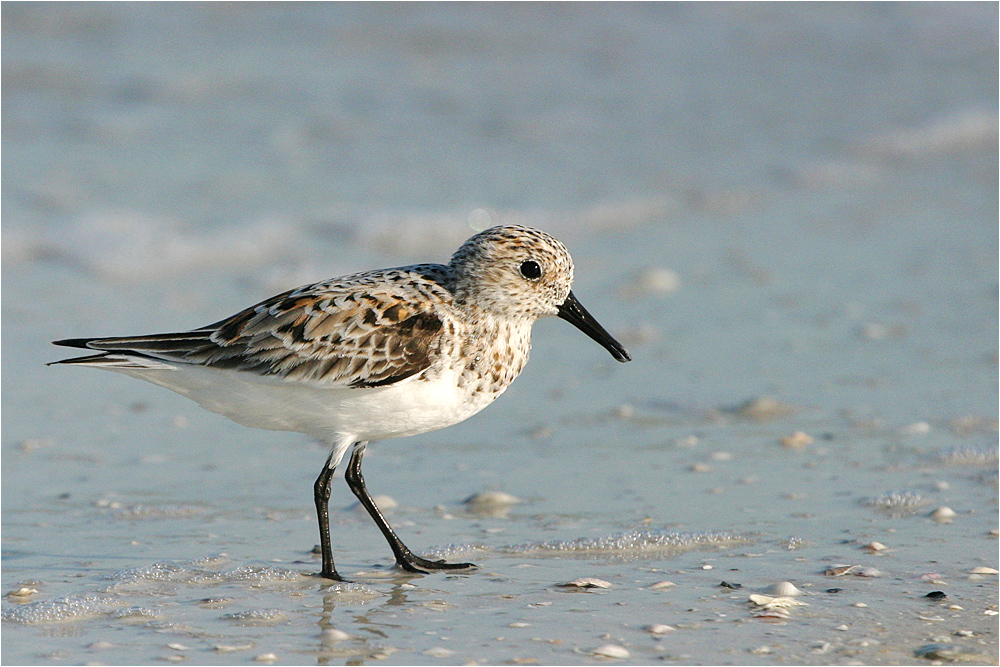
pixel 611 651
pixel 875 547
pixel 975 570
pixel 661 585
pixel 943 515
pixel 660 629
pixel 22 592
pixel 783 589
pixel 864 571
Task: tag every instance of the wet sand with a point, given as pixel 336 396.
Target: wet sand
pixel 787 213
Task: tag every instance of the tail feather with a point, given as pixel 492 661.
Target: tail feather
pixel 114 360
pixel 135 351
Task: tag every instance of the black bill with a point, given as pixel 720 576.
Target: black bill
pixel 573 312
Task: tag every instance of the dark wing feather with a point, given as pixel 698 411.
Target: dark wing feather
pixel 366 331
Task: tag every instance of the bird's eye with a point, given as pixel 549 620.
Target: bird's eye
pixel 531 270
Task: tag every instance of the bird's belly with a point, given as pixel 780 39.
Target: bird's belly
pixel 406 408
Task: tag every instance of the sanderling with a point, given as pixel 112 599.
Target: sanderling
pixel 375 355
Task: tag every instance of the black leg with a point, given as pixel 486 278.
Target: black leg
pixel 404 557
pixel 321 494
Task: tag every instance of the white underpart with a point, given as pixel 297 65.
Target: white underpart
pixel 332 414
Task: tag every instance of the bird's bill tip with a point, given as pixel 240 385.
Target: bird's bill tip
pixel 573 312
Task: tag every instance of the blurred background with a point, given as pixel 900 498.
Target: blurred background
pixel 787 212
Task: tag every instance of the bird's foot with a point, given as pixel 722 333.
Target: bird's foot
pixel 417 564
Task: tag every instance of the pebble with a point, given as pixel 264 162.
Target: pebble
pixel 821 647
pixel 764 408
pixel 916 428
pixel 783 589
pixel 226 648
pixel 940 651
pixel 611 651
pixel 653 280
pixel 385 503
pixel 334 635
pixel 943 515
pixel 100 646
pixel 586 582
pixel 491 500
pixel 797 440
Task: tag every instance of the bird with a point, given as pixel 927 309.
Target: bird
pixel 371 356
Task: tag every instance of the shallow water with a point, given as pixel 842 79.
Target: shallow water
pixel 787 213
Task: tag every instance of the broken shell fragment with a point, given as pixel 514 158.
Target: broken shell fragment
pixel 586 582
pixel 22 592
pixel 856 570
pixel 768 602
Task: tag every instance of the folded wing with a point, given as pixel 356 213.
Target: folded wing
pixel 335 334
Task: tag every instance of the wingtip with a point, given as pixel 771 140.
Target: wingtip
pixel 83 343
